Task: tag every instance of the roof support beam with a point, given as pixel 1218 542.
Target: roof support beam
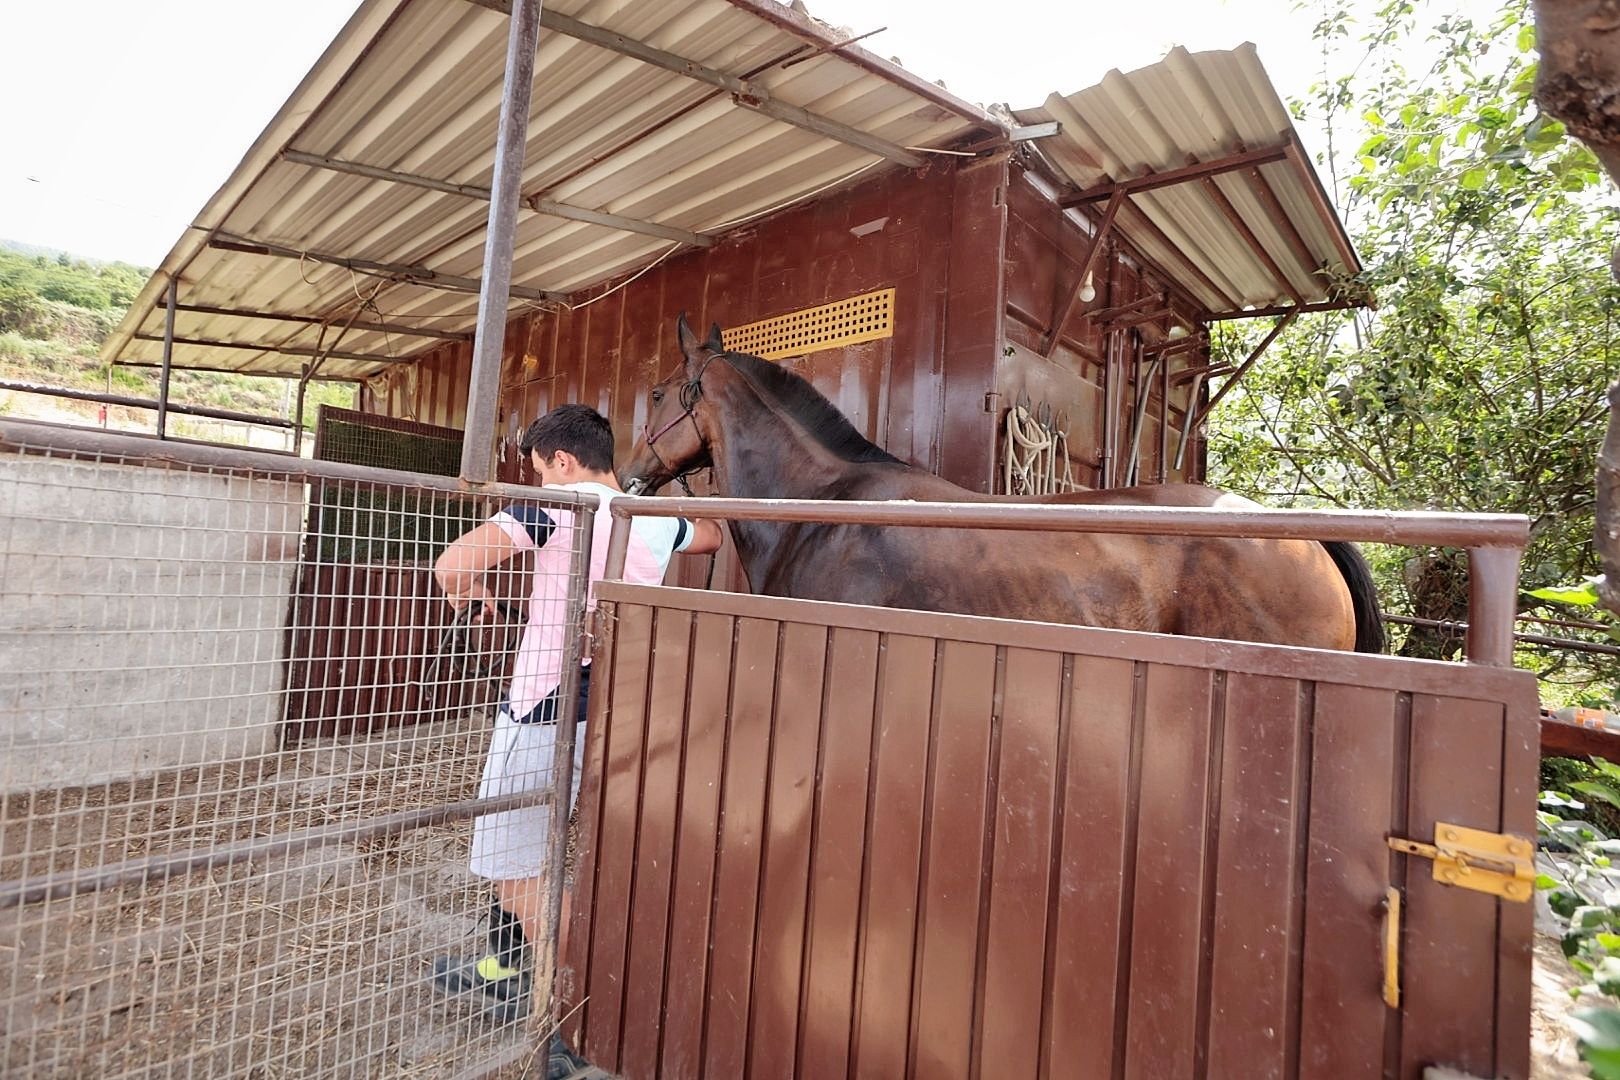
pixel 1066 312
pixel 1296 242
pixel 1235 219
pixel 1226 387
pixel 312 320
pixel 413 275
pixel 1283 309
pixel 239 371
pixel 285 350
pixel 1137 185
pixel 1170 245
pixel 743 92
pixel 547 207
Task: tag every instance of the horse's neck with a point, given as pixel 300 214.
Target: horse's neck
pixel 761 452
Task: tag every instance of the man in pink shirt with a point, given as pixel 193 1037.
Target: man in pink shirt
pixel 571 447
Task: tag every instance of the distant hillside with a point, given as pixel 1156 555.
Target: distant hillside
pixel 55 311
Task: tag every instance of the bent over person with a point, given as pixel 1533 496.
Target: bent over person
pixel 570 447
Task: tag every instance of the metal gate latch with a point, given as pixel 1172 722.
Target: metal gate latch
pixel 1487 862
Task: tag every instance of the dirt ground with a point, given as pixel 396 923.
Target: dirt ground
pixel 310 965
pixel 1552 1045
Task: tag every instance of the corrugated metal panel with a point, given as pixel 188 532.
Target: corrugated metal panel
pixel 1200 107
pixel 414 86
pixel 828 840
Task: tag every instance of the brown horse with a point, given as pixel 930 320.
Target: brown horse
pixel 768 433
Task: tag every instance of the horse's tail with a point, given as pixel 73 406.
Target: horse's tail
pixel 1363 595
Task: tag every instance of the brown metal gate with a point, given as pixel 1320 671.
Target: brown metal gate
pixel 823 840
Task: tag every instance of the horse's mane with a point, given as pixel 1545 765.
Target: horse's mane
pixel 819 417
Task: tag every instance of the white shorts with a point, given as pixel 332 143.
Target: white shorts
pixel 516 844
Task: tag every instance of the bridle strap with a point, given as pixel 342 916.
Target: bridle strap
pixel 691 393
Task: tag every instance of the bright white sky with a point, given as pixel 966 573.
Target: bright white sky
pixel 92 161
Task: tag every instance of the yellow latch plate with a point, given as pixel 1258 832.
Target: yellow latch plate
pixel 1497 863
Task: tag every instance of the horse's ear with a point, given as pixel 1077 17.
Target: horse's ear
pixel 689 342
pixel 716 341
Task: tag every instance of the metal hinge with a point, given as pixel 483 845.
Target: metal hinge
pixel 1496 863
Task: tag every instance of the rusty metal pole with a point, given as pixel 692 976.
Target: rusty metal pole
pixel 494 290
pixel 168 358
pixel 1493 593
pixel 618 550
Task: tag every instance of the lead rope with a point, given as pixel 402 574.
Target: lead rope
pixel 1030 466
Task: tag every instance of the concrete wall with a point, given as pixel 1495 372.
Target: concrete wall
pixel 142 618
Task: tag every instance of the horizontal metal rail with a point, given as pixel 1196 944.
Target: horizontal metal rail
pixel 18 435
pixel 1406 527
pixel 56 886
pixel 143 403
pixel 1495 542
pixel 1596 648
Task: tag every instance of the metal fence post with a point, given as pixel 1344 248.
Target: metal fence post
pixel 1493 591
pixel 494 291
pixel 168 357
pixel 579 590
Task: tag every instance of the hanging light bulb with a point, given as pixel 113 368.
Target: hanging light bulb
pixel 1177 332
pixel 1088 292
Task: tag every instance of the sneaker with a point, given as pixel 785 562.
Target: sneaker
pixel 504 999
pixel 563 1064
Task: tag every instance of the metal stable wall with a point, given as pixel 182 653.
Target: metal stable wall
pixel 1046 249
pixel 821 840
pixel 979 260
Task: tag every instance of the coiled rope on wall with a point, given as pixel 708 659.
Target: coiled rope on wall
pixel 1034 448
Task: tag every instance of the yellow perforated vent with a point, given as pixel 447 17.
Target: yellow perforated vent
pixel 844 322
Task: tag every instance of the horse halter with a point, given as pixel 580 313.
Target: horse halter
pixel 691 392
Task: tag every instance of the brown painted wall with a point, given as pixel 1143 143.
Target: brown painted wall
pixel 819 840
pixel 980 261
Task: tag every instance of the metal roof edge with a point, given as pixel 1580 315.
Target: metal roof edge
pixel 347 48
pixel 804 26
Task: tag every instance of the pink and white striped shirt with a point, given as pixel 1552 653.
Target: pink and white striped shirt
pixel 537 671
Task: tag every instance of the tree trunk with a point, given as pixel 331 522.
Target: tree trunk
pixel 1579 83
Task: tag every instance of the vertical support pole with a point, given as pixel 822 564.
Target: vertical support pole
pixel 298 417
pixel 168 358
pixel 579 588
pixel 1187 419
pixel 1109 405
pixel 1493 592
pixel 618 547
pixel 1163 470
pixel 494 290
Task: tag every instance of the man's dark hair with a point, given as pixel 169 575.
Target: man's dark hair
pixel 578 429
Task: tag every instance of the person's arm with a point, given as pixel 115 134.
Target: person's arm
pixel 460 569
pixel 707 536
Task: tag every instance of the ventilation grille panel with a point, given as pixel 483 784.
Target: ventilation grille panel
pixel 843 322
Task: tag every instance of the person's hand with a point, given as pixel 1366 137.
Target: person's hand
pixel 475 594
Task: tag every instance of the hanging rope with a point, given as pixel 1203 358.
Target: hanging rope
pixel 1037 457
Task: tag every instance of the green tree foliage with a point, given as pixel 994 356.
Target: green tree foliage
pixel 66 280
pixel 1477 383
pixel 56 310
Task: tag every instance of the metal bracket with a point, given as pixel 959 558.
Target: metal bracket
pixel 1496 863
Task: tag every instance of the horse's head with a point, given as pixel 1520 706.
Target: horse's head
pixel 673 442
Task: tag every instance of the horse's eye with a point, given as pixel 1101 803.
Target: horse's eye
pixel 657 397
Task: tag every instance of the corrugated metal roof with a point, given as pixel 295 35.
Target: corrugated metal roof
pixel 1205 107
pixel 414 87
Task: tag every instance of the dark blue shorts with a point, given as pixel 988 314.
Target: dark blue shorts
pixel 546 711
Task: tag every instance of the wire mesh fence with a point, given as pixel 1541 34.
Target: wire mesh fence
pixel 241 742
